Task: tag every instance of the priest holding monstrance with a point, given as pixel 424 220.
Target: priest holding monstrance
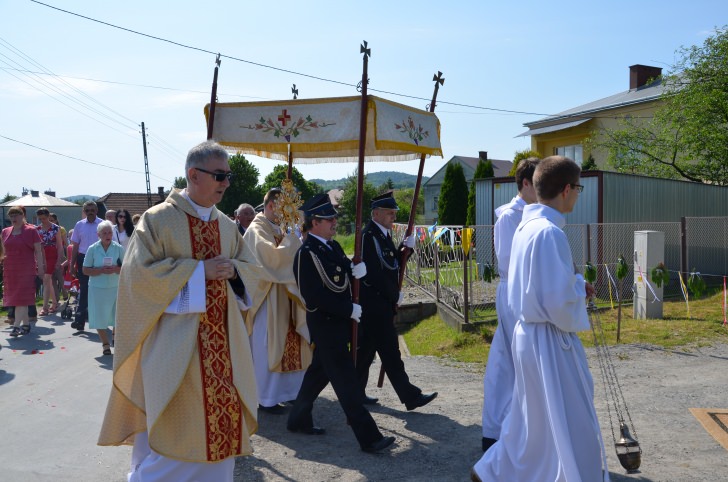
pixel 183 386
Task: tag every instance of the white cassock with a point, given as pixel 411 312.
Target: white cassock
pixel 273 387
pixel 499 379
pixel 551 432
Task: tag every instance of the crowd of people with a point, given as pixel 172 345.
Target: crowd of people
pixel 216 319
pixel 46 258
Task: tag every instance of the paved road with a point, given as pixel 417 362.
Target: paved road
pixel 54 384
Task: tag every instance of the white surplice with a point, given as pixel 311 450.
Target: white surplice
pixel 498 380
pixel 551 432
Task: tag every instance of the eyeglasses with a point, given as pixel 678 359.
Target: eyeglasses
pixel 89 210
pixel 121 216
pixel 578 187
pixel 219 176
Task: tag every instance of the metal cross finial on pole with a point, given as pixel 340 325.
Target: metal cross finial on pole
pixel 213 99
pixel 360 186
pixel 294 91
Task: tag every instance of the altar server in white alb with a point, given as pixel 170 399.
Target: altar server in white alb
pixel 551 432
pixel 498 380
pixel 279 338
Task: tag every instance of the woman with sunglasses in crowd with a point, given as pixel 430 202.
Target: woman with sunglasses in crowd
pixel 124 228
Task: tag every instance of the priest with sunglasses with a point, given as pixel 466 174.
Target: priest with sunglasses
pixel 184 390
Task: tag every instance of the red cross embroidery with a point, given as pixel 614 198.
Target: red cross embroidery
pixel 284 117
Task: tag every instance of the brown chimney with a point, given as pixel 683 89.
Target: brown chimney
pixel 483 155
pixel 639 75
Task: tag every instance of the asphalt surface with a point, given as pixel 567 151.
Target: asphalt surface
pixel 54 384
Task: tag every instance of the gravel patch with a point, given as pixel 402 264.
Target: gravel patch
pixel 441 441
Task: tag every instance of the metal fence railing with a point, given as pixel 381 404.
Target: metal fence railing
pixel 451 262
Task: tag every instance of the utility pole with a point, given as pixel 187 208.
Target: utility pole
pixel 146 166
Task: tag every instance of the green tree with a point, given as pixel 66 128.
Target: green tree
pixel 483 170
pixel 387 185
pixel 8 197
pixel 687 137
pixel 347 206
pixel 179 182
pixel 453 196
pixel 306 188
pixel 404 201
pixel 519 156
pixel 243 188
pixel 589 164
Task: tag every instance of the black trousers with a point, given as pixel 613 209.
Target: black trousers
pixel 82 311
pixel 378 335
pixel 335 365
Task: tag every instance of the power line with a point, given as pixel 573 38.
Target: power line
pixel 323 79
pixel 49 72
pixel 139 85
pixel 76 158
pixel 68 105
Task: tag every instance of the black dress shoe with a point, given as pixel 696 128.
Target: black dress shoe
pixel 420 401
pixel 276 409
pixel 379 445
pixel 488 442
pixel 370 400
pixel 307 430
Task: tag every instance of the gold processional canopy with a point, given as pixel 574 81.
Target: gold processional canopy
pixel 326 130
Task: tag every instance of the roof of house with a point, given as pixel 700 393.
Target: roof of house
pixel 39 200
pixel 135 203
pixel 640 95
pixel 500 169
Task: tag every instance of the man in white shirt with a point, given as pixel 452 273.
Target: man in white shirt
pixel 551 431
pixel 498 379
pixel 84 235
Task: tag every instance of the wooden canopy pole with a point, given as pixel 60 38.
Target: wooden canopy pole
pixel 213 99
pixel 405 254
pixel 289 174
pixel 363 49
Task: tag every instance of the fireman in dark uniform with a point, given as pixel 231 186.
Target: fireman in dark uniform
pixel 324 274
pixel 380 296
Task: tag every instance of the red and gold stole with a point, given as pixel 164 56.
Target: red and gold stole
pixel 291 359
pixel 222 404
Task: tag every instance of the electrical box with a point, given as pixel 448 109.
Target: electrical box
pixel 649 251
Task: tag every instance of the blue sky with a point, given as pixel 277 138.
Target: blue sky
pixel 534 57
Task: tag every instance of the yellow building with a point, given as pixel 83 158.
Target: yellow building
pixel 564 133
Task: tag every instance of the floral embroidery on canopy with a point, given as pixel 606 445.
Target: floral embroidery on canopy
pixel 416 133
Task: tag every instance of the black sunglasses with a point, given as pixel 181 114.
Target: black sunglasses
pixel 219 176
pixel 578 187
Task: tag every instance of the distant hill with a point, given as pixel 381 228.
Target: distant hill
pixel 80 197
pixel 399 179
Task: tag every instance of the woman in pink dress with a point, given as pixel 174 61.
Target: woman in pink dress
pixel 52 243
pixel 23 262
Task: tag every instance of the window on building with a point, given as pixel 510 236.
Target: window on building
pixel 434 203
pixel 575 152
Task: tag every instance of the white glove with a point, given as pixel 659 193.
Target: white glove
pixel 401 297
pixel 359 270
pixel 409 241
pixel 356 313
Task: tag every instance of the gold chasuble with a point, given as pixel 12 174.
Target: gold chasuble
pixel 186 379
pixel 288 338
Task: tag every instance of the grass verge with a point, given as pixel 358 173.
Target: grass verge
pixel 705 326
